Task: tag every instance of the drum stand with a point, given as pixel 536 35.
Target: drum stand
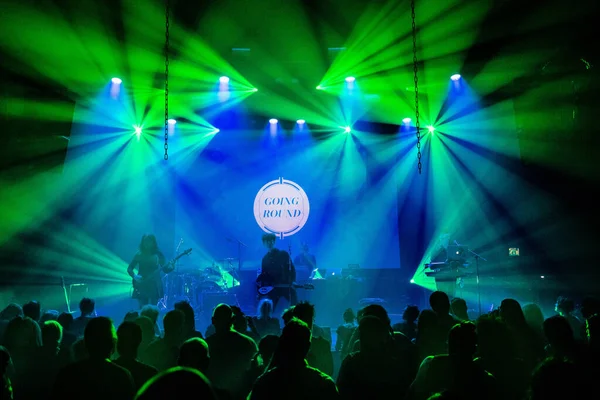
pixel 163 301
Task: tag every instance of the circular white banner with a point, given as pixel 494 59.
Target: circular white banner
pixel 281 207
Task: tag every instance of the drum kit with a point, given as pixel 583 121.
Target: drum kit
pixel 193 284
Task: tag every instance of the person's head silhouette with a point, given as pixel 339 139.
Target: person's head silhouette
pixel 100 338
pixel 65 319
pixel 10 311
pixel 287 315
pixel 439 302
pixel 459 309
pixel 374 334
pixel 222 318
pixel 87 307
pixel 190 318
pixel 177 383
pixel 512 313
pixel 305 312
pixel 294 343
pixel 265 308
pixel 267 347
pixel 410 314
pixel 240 322
pixel 533 315
pixel 462 340
pixel 22 334
pixel 493 338
pixel 129 336
pixel 52 333
pixel 194 354
pixel 173 323
pixel 564 306
pixel 33 310
pixel 147 328
pixel 349 316
pixel 559 333
pixel 151 312
pixel 375 310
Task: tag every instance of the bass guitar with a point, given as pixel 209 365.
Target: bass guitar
pixel 140 285
pixel 264 285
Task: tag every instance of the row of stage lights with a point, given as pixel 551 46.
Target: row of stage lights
pixel 300 122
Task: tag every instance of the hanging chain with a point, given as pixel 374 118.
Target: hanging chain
pixel 416 78
pixel 167 12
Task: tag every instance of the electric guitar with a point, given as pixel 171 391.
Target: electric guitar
pixel 265 286
pixel 138 285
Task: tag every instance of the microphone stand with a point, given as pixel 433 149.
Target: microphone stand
pixel 239 248
pixel 477 257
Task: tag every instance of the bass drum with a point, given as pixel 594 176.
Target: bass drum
pixel 180 285
pixel 210 286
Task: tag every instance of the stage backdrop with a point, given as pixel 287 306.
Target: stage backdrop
pixel 334 194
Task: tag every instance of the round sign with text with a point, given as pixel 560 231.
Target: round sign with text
pixel 281 207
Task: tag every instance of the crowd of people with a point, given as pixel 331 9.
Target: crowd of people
pixel 509 353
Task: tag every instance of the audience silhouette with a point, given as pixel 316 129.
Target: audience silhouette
pixel 95 377
pixel 163 352
pixel 344 332
pixel 409 326
pixel 264 323
pixel 189 325
pixel 374 371
pixel 290 377
pixel 231 353
pixel 430 355
pixel 455 371
pixel 129 338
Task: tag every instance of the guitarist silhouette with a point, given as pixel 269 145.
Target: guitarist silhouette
pixel 278 272
pixel 149 262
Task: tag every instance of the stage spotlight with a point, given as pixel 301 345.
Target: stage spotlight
pixel 116 81
pixel 255 90
pixel 272 121
pixel 542 276
pixel 319 87
pixel 216 130
pixel 455 77
pixel 406 121
pixel 172 122
pixel 224 79
pixel 350 79
pixel 347 129
pixel 412 281
pixel 430 128
pixel 300 122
